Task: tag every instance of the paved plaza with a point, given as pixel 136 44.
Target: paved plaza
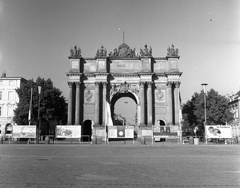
pixel 103 166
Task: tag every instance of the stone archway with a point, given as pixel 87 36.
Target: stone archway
pixel 127 111
pixel 98 82
pixel 86 132
pixel 8 130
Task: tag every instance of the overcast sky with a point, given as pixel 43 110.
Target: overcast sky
pixel 36 36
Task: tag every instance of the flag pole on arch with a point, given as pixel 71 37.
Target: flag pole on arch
pixel 30 106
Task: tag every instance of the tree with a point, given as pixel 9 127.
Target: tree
pixel 217 110
pixel 52 104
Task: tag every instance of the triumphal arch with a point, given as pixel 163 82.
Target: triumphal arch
pixel 95 84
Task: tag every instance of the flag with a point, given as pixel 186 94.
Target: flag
pixel 30 108
pixel 108 117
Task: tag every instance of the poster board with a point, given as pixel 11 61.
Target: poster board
pixel 24 131
pixel 120 131
pixel 218 131
pixel 165 131
pixel 68 131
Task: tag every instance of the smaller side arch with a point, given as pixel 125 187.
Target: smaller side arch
pixel 87 130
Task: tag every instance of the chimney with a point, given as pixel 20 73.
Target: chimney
pixel 4 75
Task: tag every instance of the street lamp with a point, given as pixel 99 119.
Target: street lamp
pixel 39 122
pixel 204 85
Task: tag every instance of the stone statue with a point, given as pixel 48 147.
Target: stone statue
pixel 102 52
pixel 75 52
pixel 145 51
pixel 123 51
pixel 172 51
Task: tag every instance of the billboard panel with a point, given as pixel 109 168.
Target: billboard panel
pixel 68 131
pixel 24 131
pixel 218 131
pixel 121 132
pixel 165 131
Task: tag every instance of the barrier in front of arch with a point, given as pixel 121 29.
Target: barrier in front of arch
pixel 121 133
pixel 68 132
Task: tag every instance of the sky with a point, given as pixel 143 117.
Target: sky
pixel 36 36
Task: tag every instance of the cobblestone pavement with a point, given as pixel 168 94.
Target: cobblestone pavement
pixel 103 166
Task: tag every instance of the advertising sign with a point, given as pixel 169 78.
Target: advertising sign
pixel 121 132
pixel 24 131
pixel 68 131
pixel 218 131
pixel 165 131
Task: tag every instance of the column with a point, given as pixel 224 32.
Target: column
pixel 96 95
pixel 104 103
pixel 77 108
pixel 70 84
pixel 149 98
pixel 169 104
pixel 176 102
pixel 142 105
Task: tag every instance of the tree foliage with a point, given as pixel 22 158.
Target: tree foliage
pixel 217 111
pixel 52 104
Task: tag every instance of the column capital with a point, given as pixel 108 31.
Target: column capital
pixel 169 84
pixel 97 83
pixel 142 84
pixel 177 84
pixel 104 84
pixel 149 84
pixel 70 84
pixel 77 84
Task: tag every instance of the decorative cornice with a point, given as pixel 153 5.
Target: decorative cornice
pixel 173 73
pixel 100 74
pixel 125 75
pixel 145 73
pixel 89 75
pixel 160 74
pixel 73 73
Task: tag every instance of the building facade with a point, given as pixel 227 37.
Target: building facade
pixel 8 100
pixel 234 106
pixel 152 82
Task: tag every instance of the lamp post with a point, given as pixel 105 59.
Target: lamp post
pixel 204 85
pixel 39 122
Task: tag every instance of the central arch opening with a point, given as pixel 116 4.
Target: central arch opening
pixel 124 109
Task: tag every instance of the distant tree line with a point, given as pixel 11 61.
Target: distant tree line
pixel 53 106
pixel 217 111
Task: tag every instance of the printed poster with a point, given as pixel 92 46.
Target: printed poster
pixel 68 131
pixel 24 131
pixel 218 131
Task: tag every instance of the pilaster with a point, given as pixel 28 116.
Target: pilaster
pixel 149 98
pixel 77 107
pixel 142 104
pixel 169 103
pixel 176 103
pixel 104 103
pixel 97 103
pixel 70 84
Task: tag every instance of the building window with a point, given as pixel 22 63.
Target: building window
pixel 11 83
pixel 10 96
pixel 10 110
